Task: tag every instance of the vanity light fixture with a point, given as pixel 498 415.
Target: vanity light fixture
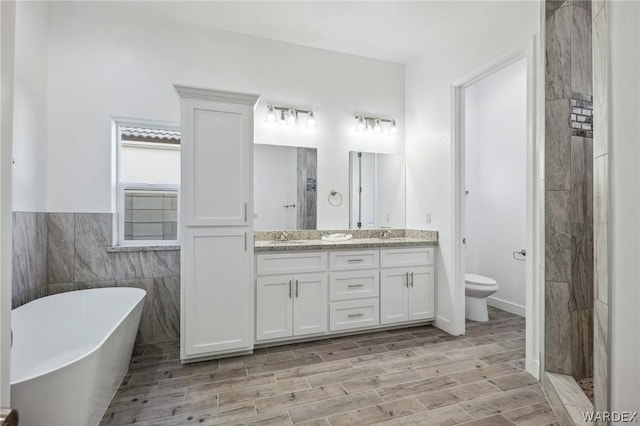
pixel 271 115
pixel 393 129
pixel 289 116
pixel 311 120
pixel 376 125
pixel 292 117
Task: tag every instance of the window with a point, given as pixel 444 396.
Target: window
pixel 148 174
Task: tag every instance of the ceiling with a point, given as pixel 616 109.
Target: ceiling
pixel 394 31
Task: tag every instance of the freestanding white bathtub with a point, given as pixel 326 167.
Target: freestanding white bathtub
pixel 70 353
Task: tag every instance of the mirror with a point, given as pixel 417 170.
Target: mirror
pixel 376 190
pixel 285 195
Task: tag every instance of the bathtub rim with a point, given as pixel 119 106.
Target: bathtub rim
pixel 141 292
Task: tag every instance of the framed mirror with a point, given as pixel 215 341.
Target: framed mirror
pixel 376 190
pixel 285 187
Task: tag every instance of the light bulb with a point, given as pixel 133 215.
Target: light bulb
pixel 377 126
pixel 311 120
pixel 361 124
pixel 292 117
pixel 393 129
pixel 271 115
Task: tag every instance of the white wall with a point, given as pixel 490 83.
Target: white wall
pixel 495 175
pixel 275 177
pixel 428 143
pixel 624 241
pixel 105 63
pixel 30 107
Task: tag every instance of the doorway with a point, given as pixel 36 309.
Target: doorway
pixel 494 204
pixel 526 57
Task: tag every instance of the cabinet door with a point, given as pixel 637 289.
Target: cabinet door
pixel 217 291
pixel 393 295
pixel 421 293
pixel 217 163
pixel 310 304
pixel 274 305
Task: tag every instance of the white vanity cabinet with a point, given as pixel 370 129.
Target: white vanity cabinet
pixel 359 289
pixel 291 295
pixel 216 226
pixel 407 285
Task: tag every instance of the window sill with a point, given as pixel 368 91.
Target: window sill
pixel 159 247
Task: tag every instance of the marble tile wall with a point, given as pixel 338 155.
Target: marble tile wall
pixel 59 252
pixel 569 152
pixel 29 257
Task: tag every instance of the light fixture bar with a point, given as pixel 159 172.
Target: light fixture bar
pixel 384 120
pixel 297 110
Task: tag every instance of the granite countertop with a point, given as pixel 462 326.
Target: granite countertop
pixel 160 247
pixel 277 241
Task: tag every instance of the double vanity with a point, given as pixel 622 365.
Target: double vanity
pixel 240 287
pixel 309 287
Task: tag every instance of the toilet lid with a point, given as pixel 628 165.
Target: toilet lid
pixel 479 279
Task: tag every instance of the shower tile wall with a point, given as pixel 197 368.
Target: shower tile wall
pixel 569 189
pixel 600 203
pixel 59 252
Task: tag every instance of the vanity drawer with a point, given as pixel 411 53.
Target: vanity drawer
pixel 418 256
pixel 354 314
pixel 350 260
pixel 354 284
pixel 291 263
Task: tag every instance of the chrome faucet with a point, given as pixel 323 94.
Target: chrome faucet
pixel 282 236
pixel 386 233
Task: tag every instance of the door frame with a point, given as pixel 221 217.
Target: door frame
pixel 534 313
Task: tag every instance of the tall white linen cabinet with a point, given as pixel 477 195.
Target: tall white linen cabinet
pixel 216 223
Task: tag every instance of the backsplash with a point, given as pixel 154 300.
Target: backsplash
pixel 59 252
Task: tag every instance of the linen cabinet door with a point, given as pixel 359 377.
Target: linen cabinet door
pixel 274 305
pixel 217 292
pixel 217 159
pixel 393 295
pixel 310 304
pixel 421 293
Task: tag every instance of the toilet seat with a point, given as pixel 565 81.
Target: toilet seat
pixel 479 280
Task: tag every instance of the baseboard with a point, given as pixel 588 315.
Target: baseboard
pixel 514 308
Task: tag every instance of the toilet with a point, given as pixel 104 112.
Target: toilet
pixel 476 290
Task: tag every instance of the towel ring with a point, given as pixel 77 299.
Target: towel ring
pixel 332 196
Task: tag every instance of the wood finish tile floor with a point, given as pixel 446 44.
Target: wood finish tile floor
pixel 410 376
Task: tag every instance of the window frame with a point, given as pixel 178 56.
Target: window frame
pixel 120 187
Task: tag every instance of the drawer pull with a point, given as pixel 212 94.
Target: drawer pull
pixel 411 275
pixel 355 315
pixel 355 285
pixel 355 260
pixel 289 289
pixel 406 283
pixel 297 294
